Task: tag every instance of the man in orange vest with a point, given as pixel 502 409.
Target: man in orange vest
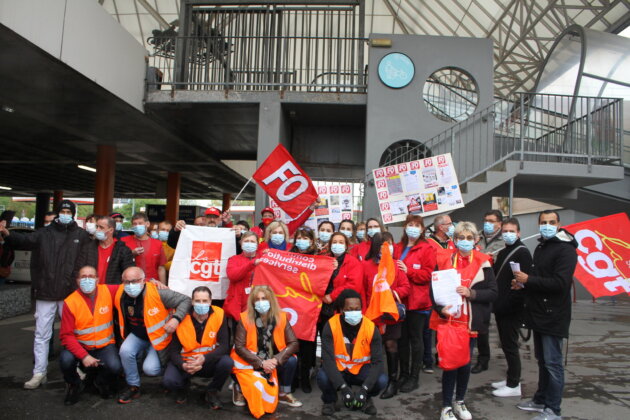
pixel 87 335
pixel 352 354
pixel 147 317
pixel 201 347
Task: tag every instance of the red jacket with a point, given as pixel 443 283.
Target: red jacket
pixel 420 261
pixel 370 270
pixel 350 276
pixel 359 251
pixel 240 272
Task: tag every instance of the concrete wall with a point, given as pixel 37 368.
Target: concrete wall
pixel 83 35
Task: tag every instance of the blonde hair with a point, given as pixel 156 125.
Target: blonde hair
pixel 273 226
pixel 466 227
pixel 274 309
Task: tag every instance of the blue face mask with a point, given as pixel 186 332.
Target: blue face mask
pixel 412 232
pixel 303 244
pixel 488 228
pixel 134 289
pixel 163 235
pixel 262 306
pixel 324 236
pixel 100 235
pixel 118 226
pixel 87 284
pixel 548 231
pixel 338 249
pixel 249 246
pixel 361 234
pixel 154 235
pixel 139 230
pixel 64 219
pixel 352 317
pixel 509 237
pixel 347 233
pixel 373 231
pixel 465 245
pixel 201 308
pixel 450 231
pixel 277 238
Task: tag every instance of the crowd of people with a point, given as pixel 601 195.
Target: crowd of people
pixel 119 318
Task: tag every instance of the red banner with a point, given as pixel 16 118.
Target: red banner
pixel 382 299
pixel 299 282
pixel 603 254
pixel 285 182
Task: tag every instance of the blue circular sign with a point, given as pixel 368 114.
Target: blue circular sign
pixel 396 70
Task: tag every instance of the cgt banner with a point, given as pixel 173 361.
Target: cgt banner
pixel 201 260
pixel 603 254
pixel 299 282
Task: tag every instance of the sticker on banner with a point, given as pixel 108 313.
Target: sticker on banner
pixel 205 261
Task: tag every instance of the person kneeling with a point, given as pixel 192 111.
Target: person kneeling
pixel 350 333
pixel 200 347
pixel 264 355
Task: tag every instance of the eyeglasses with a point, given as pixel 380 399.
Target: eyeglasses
pixel 463 238
pixel 133 281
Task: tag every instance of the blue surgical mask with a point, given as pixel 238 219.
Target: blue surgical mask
pixel 87 284
pixel 488 228
pixel 163 235
pixel 373 231
pixel 548 231
pixel 347 233
pixel 361 234
pixel 338 249
pixel 201 308
pixel 249 246
pixel 324 236
pixel 100 235
pixel 450 231
pixel 412 232
pixel 65 218
pixel 465 245
pixel 509 237
pixel 118 226
pixel 303 244
pixel 352 317
pixel 277 238
pixel 139 230
pixel 134 289
pixel 90 228
pixel 262 306
pixel 154 235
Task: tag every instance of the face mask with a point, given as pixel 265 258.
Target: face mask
pixel 303 244
pixel 324 236
pixel 373 231
pixel 118 226
pixel 338 249
pixel 87 285
pixel 201 308
pixel 163 235
pixel 412 232
pixel 133 289
pixel 509 237
pixel 139 230
pixel 154 235
pixel 46 224
pixel 488 228
pixel 548 231
pixel 249 246
pixel 361 234
pixel 465 245
pixel 277 238
pixel 352 317
pixel 450 231
pixel 90 228
pixel 262 306
pixel 267 221
pixel 100 235
pixel 347 233
pixel 65 218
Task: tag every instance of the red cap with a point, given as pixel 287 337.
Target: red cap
pixel 267 209
pixel 212 211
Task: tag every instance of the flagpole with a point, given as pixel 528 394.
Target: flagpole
pixel 240 192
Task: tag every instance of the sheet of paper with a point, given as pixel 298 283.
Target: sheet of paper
pixel 515 266
pixel 444 283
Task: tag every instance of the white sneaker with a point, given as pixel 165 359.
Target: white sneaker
pixel 37 380
pixel 506 391
pixel 461 410
pixel 447 414
pixel 82 374
pixel 500 384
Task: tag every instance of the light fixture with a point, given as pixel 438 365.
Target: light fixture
pixel 5 188
pixel 7 108
pixel 86 168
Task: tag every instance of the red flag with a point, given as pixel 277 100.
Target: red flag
pixel 382 299
pixel 285 182
pixel 299 282
pixel 603 254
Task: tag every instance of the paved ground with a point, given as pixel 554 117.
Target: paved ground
pixel 598 381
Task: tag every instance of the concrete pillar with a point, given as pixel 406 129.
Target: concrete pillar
pixel 173 190
pixel 42 206
pixel 105 177
pixel 227 201
pixel 57 197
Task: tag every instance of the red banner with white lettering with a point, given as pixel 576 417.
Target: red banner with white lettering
pixel 299 282
pixel 285 182
pixel 603 254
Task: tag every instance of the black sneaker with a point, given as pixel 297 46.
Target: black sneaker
pixel 104 390
pixel 213 401
pixel 328 409
pixel 72 393
pixel 128 394
pixel 370 408
pixel 181 396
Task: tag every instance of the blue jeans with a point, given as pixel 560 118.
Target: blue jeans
pixel 106 374
pixel 286 373
pixel 548 352
pixel 131 351
pixel 427 340
pixel 329 393
pixel 456 380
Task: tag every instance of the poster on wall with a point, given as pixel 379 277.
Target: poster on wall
pixel 421 187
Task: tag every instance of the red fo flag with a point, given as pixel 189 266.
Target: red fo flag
pixel 299 282
pixel 285 182
pixel 603 254
pixel 382 299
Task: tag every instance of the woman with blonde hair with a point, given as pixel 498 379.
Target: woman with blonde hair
pixel 276 237
pixel 264 355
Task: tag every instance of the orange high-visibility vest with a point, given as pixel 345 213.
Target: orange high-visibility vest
pixel 188 336
pixel 261 396
pixel 93 330
pixel 361 353
pixel 155 316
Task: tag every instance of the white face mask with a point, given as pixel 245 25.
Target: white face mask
pixel 90 228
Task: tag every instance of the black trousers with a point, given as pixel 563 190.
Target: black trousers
pixel 508 326
pixel 483 348
pixel 410 344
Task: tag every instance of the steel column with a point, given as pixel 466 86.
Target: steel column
pixel 105 177
pixel 42 206
pixel 173 190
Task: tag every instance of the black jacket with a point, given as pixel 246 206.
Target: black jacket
pixel 120 260
pixel 510 302
pixel 55 265
pixel 548 288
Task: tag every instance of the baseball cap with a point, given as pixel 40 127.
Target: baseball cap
pixel 267 209
pixel 212 211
